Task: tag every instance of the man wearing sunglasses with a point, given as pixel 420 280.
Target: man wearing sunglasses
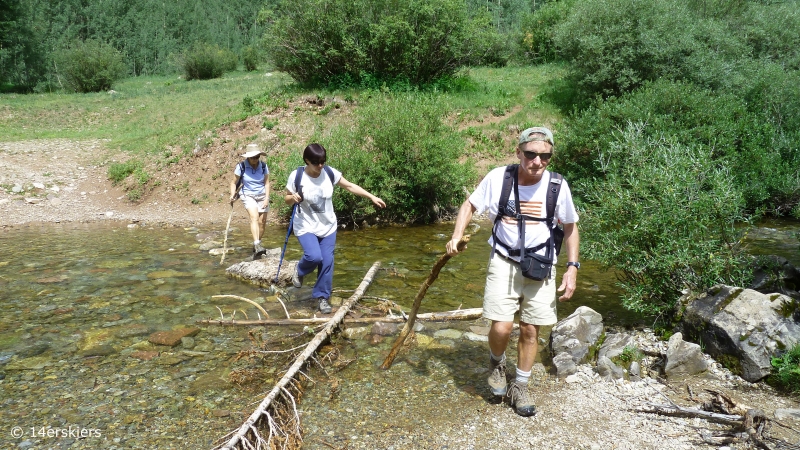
pixel 507 291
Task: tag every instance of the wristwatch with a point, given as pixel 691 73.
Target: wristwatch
pixel 574 263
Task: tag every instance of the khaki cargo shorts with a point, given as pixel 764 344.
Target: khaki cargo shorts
pixel 507 292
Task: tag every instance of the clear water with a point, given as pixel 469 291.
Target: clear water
pixel 80 300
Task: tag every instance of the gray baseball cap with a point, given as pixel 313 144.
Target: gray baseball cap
pixel 527 135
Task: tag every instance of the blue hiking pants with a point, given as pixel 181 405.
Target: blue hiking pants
pixel 318 254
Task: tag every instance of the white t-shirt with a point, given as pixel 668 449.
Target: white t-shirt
pixel 532 203
pixel 315 213
pixel 253 179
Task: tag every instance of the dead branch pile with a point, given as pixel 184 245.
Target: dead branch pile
pixel 749 425
pixel 276 422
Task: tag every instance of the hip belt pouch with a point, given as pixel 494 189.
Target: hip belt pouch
pixel 536 267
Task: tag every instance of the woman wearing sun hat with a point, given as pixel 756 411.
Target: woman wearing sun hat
pixel 252 176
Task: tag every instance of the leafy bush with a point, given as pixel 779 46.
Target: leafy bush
pixel 535 39
pixel 402 151
pixel 205 61
pixel 250 58
pixel 90 66
pixel 786 371
pixel 758 122
pixel 772 32
pixel 664 217
pixel 616 46
pixel 417 42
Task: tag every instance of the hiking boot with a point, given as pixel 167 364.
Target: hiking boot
pixel 297 280
pixel 497 380
pixel 520 399
pixel 258 251
pixel 324 306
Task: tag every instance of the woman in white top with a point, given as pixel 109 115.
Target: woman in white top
pixel 315 221
pixel 253 176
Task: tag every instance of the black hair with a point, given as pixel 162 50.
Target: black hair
pixel 315 153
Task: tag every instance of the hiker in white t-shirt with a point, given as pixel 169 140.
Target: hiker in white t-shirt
pixel 252 175
pixel 315 221
pixel 521 276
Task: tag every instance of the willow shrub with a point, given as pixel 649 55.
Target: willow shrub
pixel 664 218
pixel 90 66
pixel 402 150
pixel 345 41
pixel 615 46
pixel 205 61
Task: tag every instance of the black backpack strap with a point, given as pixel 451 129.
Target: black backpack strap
pixel 552 195
pixel 298 175
pixel 329 171
pixel 509 179
pixel 241 178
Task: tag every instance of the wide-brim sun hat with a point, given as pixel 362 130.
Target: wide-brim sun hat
pixel 253 150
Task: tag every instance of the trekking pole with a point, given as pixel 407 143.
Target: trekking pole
pixel 286 241
pixel 225 242
pixel 412 316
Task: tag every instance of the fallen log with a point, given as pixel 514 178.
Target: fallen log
pixel 678 411
pixel 248 436
pixel 398 343
pixel 458 314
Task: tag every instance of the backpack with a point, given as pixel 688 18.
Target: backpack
pixel 534 266
pixel 241 177
pixel 299 175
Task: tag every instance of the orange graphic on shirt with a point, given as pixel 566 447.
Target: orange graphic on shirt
pixel 532 209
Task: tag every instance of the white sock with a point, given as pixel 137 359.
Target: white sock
pixel 257 242
pixel 522 377
pixel 497 358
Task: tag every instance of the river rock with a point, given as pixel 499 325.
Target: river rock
pixel 565 365
pixel 262 271
pixel 608 370
pixel 98 350
pixel 470 336
pixel 575 334
pixel 384 328
pixel 448 333
pixel 614 344
pixel 684 358
pixel 355 333
pixel 743 323
pixel 172 337
pixel 208 245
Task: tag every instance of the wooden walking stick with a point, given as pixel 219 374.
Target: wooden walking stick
pixel 412 316
pixel 225 242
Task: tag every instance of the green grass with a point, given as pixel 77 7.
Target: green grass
pixel 148 118
pixel 143 116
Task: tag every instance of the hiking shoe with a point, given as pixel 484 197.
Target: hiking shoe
pixel 297 280
pixel 520 399
pixel 497 380
pixel 258 251
pixel 324 306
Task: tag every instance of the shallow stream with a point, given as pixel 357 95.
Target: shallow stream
pixel 79 302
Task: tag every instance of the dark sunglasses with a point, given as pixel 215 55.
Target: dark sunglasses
pixel 533 155
pixel 316 163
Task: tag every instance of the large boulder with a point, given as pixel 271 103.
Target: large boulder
pixel 742 328
pixel 573 337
